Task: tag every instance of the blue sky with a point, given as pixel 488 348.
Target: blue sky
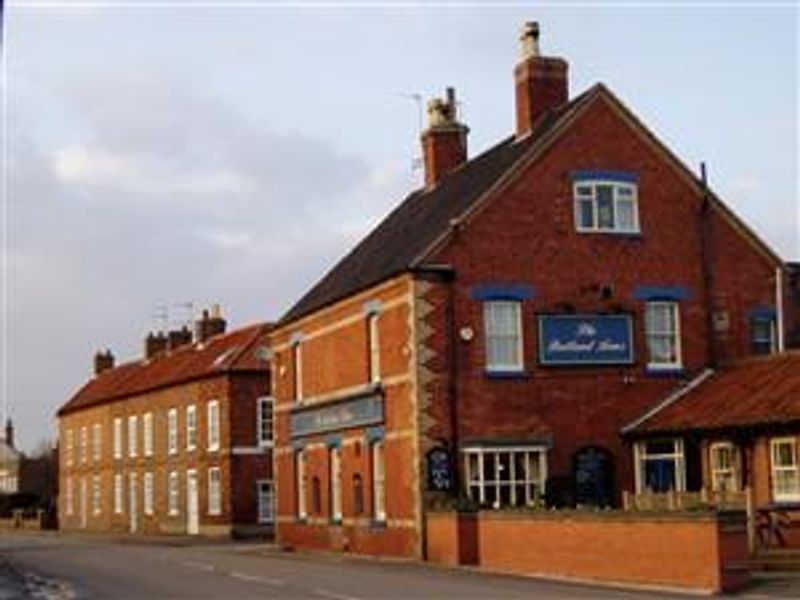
pixel 164 154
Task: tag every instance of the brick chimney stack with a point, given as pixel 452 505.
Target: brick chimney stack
pixel 209 324
pixel 155 344
pixel 444 142
pixel 9 433
pixel 103 361
pixel 541 82
pixel 179 337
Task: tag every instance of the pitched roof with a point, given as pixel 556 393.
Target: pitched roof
pixel 407 232
pixel 404 238
pixel 236 351
pixel 756 392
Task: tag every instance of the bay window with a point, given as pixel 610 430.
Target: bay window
pixel 499 477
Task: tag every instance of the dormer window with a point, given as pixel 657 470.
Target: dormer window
pixel 605 205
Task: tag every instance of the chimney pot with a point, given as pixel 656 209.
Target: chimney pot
pixel 541 82
pixel 155 344
pixel 529 40
pixel 208 326
pixel 444 142
pixel 9 435
pixel 103 361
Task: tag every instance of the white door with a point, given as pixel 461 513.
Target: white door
pixel 192 503
pixel 83 501
pixel 132 508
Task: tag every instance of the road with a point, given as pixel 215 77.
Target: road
pixel 65 567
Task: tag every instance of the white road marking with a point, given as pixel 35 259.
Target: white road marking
pixel 197 565
pixel 256 578
pixel 333 595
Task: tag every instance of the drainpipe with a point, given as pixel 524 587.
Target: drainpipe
pixel 706 256
pixel 779 307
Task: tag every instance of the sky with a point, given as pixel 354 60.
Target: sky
pixel 163 156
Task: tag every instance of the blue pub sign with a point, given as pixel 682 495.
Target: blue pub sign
pixel 585 339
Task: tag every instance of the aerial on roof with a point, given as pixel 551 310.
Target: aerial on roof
pixel 756 392
pixel 239 351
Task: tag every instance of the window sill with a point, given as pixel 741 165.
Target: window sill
pixel 676 371
pixel 630 235
pixel 500 374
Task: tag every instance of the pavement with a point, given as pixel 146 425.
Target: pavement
pixel 54 566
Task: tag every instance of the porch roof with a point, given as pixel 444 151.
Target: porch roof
pixel 754 393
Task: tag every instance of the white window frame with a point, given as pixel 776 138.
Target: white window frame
pixel 147 434
pixel 297 357
pixel 533 479
pixel 616 186
pixel 213 418
pixel 678 455
pixel 84 444
pixel 191 427
pixel 214 491
pixel 133 426
pixel 264 435
pixel 97 495
pixel 118 438
pixel 69 496
pixel 374 347
pixel 378 464
pixel 97 442
pixel 118 494
pixel 70 443
pixel 172 431
pixel 265 516
pixel 335 478
pixel 488 307
pixel 173 494
pixel 775 469
pixel 674 306
pixel 300 484
pixel 719 472
pixel 147 493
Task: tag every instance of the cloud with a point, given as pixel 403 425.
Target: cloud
pixel 129 173
pixel 177 199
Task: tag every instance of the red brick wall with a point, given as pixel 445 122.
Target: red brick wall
pixel 335 365
pixel 237 410
pixel 682 551
pixel 527 235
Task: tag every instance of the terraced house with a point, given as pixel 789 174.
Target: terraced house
pixel 176 442
pixel 494 334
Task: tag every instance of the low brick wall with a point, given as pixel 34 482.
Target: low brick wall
pixel 23 520
pixel 703 552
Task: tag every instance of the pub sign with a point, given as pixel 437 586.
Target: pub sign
pixel 585 339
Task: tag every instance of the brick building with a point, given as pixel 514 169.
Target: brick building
pixel 176 442
pixel 493 335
